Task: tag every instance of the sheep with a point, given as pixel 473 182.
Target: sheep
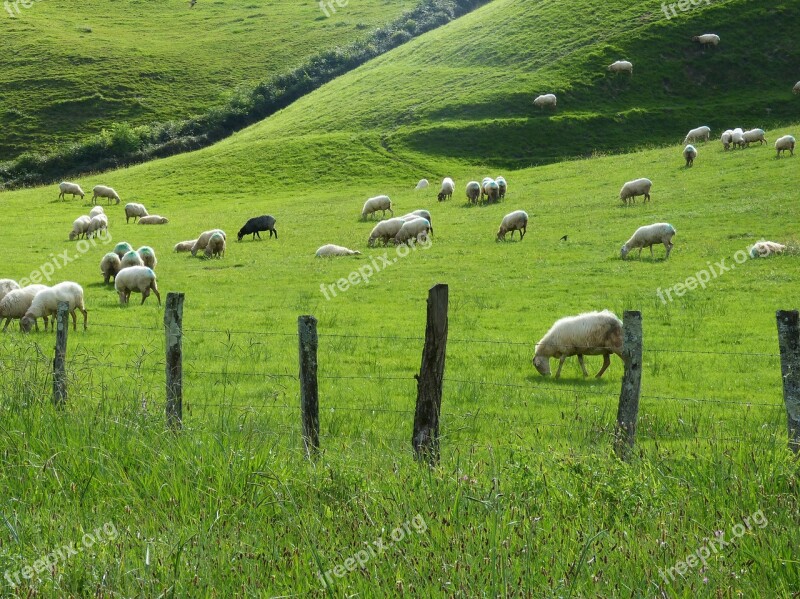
pixel 184 246
pixel 110 265
pixel 707 39
pixel 79 227
pixel 621 66
pixel 473 191
pixel 424 214
pixel 386 229
pixel 65 187
pixel 726 138
pixel 202 241
pixel 139 279
pixel 785 143
pixel 587 334
pixel 255 225
pixel 796 89
pixel 513 221
pixel 762 249
pixel 335 250
pixel 95 211
pixel 416 229
pixel 134 211
pixel 737 137
pixel 215 247
pixel 637 187
pixel 101 191
pixel 502 187
pixel 689 153
pixel 148 256
pixel 423 183
pixel 6 286
pixel 153 219
pixel 372 205
pixel 122 248
pixel 97 225
pixel 755 135
pixel 17 302
pixel 46 301
pixel 448 187
pixel 545 100
pixel 130 259
pixel 649 235
pixel 491 190
pixel 698 134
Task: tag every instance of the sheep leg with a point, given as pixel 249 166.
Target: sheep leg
pixel 583 366
pixel 668 245
pixel 155 290
pixel 74 320
pixel 85 316
pixel 259 235
pixel 652 255
pixel 145 293
pixel 8 319
pixel 606 364
pixel 560 364
pixel 522 232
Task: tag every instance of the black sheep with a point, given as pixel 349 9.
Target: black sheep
pixel 259 223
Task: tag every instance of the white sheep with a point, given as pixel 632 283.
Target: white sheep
pixel 621 66
pixel 95 211
pixel 140 279
pixel 424 214
pixel 17 302
pixel 737 137
pixel 110 265
pixel 414 229
pixel 216 246
pixel 131 259
pixel 513 221
pixel 785 143
pixel 134 211
pixel 385 230
pixel 796 89
pixel 202 240
pixel 65 187
pixel 101 191
pixel 502 187
pixel 6 286
pixel 762 249
pixel 122 248
pixel 726 138
pixel 184 246
pixel 148 256
pixel 707 39
pixel 698 134
pixel 689 153
pixel 79 227
pixel 755 135
pixel 491 190
pixel 153 219
pixel 335 250
pixel 587 334
pixel 447 189
pixel 372 205
pixel 545 100
pixel 637 187
pixel 648 236
pixel 473 191
pixel 423 183
pixel 46 301
pixel 98 224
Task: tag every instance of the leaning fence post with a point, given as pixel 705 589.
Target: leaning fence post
pixel 173 327
pixel 309 391
pixel 789 342
pixel 628 411
pixel 425 439
pixel 59 361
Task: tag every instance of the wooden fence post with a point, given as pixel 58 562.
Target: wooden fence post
pixel 173 327
pixel 309 390
pixel 425 439
pixel 789 341
pixel 628 411
pixel 59 361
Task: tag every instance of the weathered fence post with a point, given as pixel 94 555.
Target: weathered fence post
pixel 59 361
pixel 789 341
pixel 173 327
pixel 309 390
pixel 425 439
pixel 628 411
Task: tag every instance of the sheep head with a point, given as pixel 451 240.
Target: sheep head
pixel 624 251
pixel 542 365
pixel 26 324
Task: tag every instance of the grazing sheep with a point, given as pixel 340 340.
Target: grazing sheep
pixel 101 191
pixel 335 250
pixel 707 39
pixel 785 143
pixel 17 302
pixel 424 214
pixel 6 286
pixel 79 227
pixel 796 89
pixel 726 138
pixel 130 259
pixel 649 235
pixel 587 334
pixel 122 248
pixel 637 187
pixel 473 191
pixel 65 187
pixel 491 190
pixel 97 225
pixel 423 183
pixel 216 246
pixel 689 153
pixel 148 256
pixel 153 219
pixel 545 100
pixel 386 229
pixel 110 265
pixel 416 229
pixel 184 246
pixel 502 187
pixel 513 221
pixel 139 279
pixel 46 301
pixel 621 66
pixel 202 241
pixel 255 225
pixel 698 134
pixel 448 187
pixel 95 211
pixel 755 135
pixel 737 137
pixel 762 249
pixel 372 205
pixel 134 211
